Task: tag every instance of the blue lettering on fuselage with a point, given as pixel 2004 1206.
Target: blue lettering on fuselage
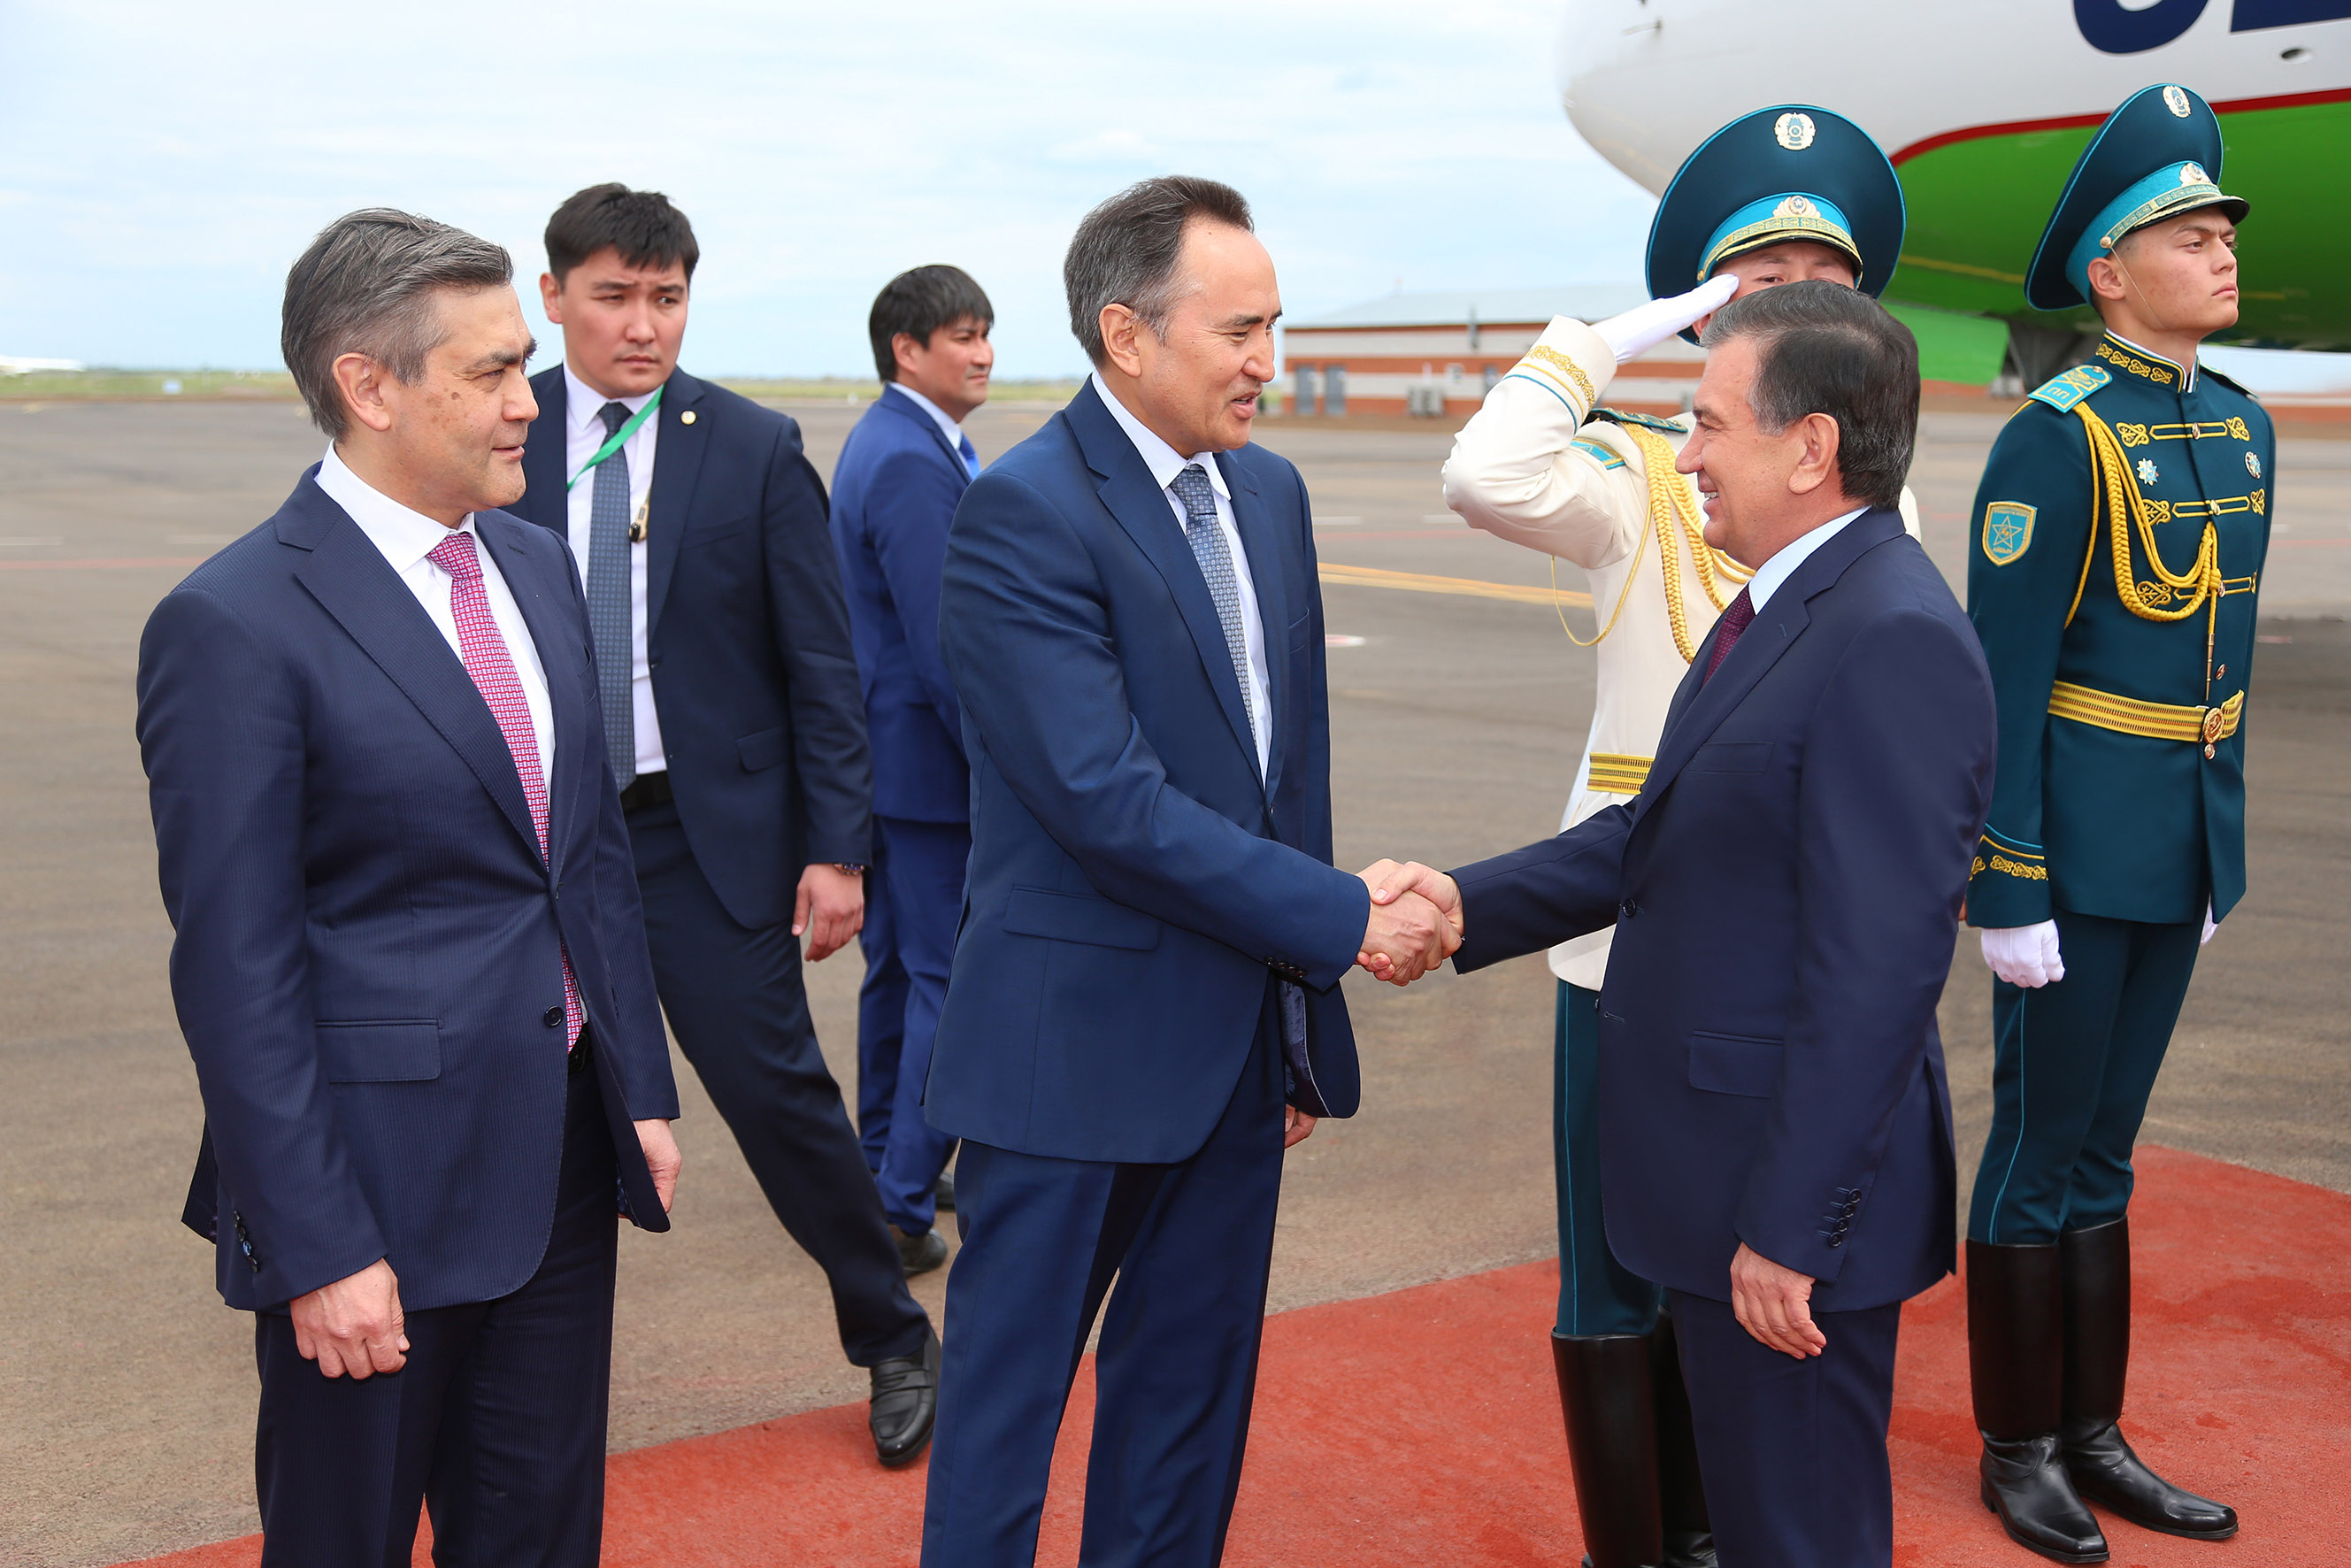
pixel 2108 28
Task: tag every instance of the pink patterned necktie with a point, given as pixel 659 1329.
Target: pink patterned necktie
pixel 491 665
pixel 1736 617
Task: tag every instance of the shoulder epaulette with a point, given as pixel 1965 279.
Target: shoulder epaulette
pixel 1646 421
pixel 1598 453
pixel 2231 383
pixel 2066 388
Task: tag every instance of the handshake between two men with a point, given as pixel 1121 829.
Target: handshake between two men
pixel 1415 921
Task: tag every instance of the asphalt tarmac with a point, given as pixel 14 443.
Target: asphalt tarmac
pixel 126 1389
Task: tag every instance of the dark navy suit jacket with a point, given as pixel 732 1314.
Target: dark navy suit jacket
pixel 752 674
pixel 368 955
pixel 894 494
pixel 1133 881
pixel 1786 892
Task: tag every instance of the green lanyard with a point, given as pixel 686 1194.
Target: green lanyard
pixel 620 437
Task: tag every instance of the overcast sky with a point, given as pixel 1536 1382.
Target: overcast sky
pixel 161 164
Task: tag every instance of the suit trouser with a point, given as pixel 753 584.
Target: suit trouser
pixel 735 999
pixel 496 1420
pixel 1793 1451
pixel 920 870
pixel 2074 1063
pixel 1597 1295
pixel 1189 1244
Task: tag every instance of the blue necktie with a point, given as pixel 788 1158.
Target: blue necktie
pixel 1216 558
pixel 969 454
pixel 609 614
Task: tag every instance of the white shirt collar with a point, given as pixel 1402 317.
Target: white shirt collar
pixel 585 404
pixel 2186 371
pixel 1164 461
pixel 947 427
pixel 1793 554
pixel 403 536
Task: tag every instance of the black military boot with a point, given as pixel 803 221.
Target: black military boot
pixel 1681 1496
pixel 1612 1445
pixel 2016 1362
pixel 2095 1267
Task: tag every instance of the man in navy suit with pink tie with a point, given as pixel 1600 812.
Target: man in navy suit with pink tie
pixel 409 957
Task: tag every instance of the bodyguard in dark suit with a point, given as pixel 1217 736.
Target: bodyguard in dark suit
pixel 1776 1143
pixel 732 714
pixel 409 961
pixel 1146 990
pixel 894 490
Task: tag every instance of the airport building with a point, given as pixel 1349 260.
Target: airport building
pixel 1437 354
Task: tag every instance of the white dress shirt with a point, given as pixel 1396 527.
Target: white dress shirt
pixel 583 435
pixel 1165 464
pixel 1793 554
pixel 406 539
pixel 947 427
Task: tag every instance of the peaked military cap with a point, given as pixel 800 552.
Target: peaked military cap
pixel 1790 172
pixel 2156 156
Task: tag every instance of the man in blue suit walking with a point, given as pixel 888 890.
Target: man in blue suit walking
pixel 733 722
pixel 409 957
pixel 1775 1125
pixel 894 490
pixel 1145 1007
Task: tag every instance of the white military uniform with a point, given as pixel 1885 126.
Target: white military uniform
pixel 1535 467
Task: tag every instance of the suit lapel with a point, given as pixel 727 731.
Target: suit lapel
pixel 558 642
pixel 544 499
pixel 1142 509
pixel 351 580
pixel 1260 544
pixel 677 463
pixel 904 407
pixel 1699 707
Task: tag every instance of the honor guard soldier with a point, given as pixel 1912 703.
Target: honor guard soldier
pixel 1783 194
pixel 2120 533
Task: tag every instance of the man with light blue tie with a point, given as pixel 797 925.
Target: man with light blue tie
pixel 894 490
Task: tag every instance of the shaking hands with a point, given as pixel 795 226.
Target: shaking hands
pixel 1415 921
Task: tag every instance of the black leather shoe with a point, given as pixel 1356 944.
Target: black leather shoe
pixel 905 1404
pixel 945 1191
pixel 2096 1266
pixel 2025 1484
pixel 920 1254
pixel 2016 1364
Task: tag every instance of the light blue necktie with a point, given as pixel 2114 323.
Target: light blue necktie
pixel 1216 558
pixel 969 454
pixel 608 616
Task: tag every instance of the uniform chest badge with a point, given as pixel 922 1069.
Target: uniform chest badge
pixel 2254 464
pixel 2007 531
pixel 2147 473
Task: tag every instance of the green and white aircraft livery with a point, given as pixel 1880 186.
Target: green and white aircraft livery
pixel 1983 109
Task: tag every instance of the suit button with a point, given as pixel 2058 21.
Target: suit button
pixel 1837 1240
pixel 552 1017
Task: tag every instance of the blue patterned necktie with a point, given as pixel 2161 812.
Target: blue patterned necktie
pixel 608 614
pixel 1216 558
pixel 969 454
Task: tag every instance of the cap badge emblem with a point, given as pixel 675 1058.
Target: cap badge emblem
pixel 2147 471
pixel 1793 207
pixel 2193 174
pixel 1794 132
pixel 2174 98
pixel 2254 464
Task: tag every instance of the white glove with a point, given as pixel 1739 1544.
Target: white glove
pixel 2210 924
pixel 1645 327
pixel 2024 955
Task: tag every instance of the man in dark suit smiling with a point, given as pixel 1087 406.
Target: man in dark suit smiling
pixel 1776 1137
pixel 736 730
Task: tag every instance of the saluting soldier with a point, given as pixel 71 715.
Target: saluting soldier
pixel 2121 530
pixel 1783 194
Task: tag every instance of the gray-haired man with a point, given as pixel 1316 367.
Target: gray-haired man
pixel 410 964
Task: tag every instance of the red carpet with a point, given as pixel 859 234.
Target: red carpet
pixel 1421 1427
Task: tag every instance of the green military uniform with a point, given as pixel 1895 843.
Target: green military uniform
pixel 2120 536
pixel 2118 542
